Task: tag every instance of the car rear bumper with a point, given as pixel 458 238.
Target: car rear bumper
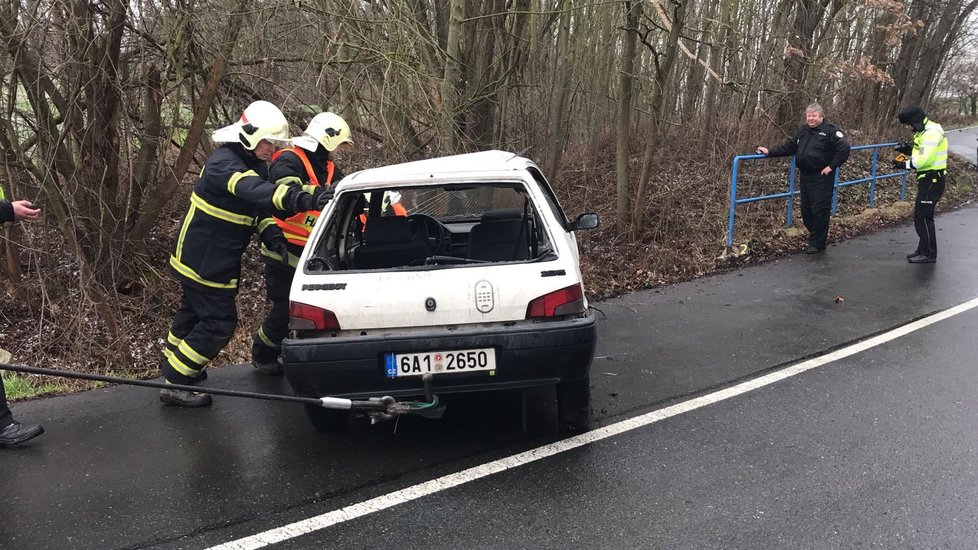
pixel 530 354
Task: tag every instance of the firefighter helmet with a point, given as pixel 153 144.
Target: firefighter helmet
pixel 330 130
pixel 261 120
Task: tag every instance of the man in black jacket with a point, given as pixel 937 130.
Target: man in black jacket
pixel 820 149
pixel 309 165
pixel 13 432
pixel 226 209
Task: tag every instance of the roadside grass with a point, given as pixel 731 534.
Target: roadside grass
pixel 24 387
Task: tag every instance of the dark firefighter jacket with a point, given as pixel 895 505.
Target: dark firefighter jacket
pixel 288 169
pixel 815 148
pixel 224 211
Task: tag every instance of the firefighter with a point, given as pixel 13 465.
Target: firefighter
pixel 819 149
pixel 928 156
pixel 13 432
pixel 308 165
pixel 225 209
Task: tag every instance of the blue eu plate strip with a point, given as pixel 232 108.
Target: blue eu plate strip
pixel 390 365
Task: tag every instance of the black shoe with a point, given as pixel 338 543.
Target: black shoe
pixel 914 253
pixel 182 398
pixel 17 433
pixel 922 259
pixel 271 369
pixel 813 250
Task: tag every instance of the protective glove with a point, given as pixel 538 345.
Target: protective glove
pixel 904 147
pixel 901 164
pixel 300 201
pixel 278 246
pixel 323 196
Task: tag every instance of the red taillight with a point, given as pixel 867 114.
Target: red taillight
pixel 307 317
pixel 565 301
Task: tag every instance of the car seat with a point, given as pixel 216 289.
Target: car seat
pixel 387 242
pixel 500 236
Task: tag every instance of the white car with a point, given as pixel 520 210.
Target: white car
pixel 462 267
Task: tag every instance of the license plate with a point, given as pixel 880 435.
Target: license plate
pixel 440 362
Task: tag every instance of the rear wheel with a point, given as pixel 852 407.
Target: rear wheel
pixel 327 420
pixel 574 405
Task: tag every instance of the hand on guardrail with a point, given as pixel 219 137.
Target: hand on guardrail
pixel 761 150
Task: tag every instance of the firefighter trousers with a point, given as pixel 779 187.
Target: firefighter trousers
pixel 816 207
pixel 267 342
pixel 930 188
pixel 201 327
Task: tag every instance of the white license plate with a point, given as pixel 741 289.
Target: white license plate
pixel 440 362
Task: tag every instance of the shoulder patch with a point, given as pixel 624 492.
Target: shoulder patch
pixel 838 134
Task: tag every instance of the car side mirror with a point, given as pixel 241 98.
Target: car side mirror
pixel 588 220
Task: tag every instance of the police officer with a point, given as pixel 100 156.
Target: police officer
pixel 13 432
pixel 820 149
pixel 308 165
pixel 225 210
pixel 928 156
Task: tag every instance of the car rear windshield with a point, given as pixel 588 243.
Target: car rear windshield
pixel 431 227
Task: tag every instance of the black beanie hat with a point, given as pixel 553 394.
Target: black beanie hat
pixel 911 114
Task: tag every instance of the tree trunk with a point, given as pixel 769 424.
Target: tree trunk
pixel 622 152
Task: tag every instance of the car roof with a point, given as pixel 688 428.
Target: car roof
pixel 481 165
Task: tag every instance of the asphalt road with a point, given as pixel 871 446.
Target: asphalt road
pixel 875 448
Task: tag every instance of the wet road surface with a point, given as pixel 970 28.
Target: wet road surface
pixel 876 448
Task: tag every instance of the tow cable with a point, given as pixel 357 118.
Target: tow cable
pixel 379 409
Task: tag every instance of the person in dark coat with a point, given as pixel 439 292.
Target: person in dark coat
pixel 13 432
pixel 820 148
pixel 226 209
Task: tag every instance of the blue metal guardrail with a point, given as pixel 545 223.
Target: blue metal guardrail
pixel 872 179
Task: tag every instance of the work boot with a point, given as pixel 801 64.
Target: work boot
pixel 271 369
pixel 183 398
pixel 813 250
pixel 922 259
pixel 17 433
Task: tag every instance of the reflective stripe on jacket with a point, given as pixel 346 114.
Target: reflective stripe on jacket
pixel 225 209
pixel 929 148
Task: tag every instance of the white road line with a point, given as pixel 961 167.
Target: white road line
pixel 408 494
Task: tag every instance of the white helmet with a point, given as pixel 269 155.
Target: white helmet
pixel 261 120
pixel 329 129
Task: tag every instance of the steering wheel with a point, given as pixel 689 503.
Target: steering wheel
pixel 430 229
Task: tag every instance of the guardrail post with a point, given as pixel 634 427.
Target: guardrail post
pixel 733 201
pixel 791 193
pixel 835 190
pixel 872 174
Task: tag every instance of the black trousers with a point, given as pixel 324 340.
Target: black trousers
pixel 201 327
pixel 5 417
pixel 267 342
pixel 816 207
pixel 930 188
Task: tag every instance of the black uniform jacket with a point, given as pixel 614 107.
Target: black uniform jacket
pixel 815 148
pixel 288 169
pixel 6 211
pixel 225 209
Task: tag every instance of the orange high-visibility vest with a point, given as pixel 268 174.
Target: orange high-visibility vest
pixel 298 227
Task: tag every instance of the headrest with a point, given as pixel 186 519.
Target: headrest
pixel 387 230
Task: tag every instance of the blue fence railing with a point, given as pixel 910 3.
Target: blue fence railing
pixel 874 176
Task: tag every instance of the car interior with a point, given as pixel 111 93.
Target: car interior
pixel 430 228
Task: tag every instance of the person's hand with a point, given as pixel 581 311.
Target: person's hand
pixel 900 165
pixel 904 147
pixel 761 150
pixel 827 170
pixel 24 210
pixel 323 196
pixel 300 201
pixel 279 247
